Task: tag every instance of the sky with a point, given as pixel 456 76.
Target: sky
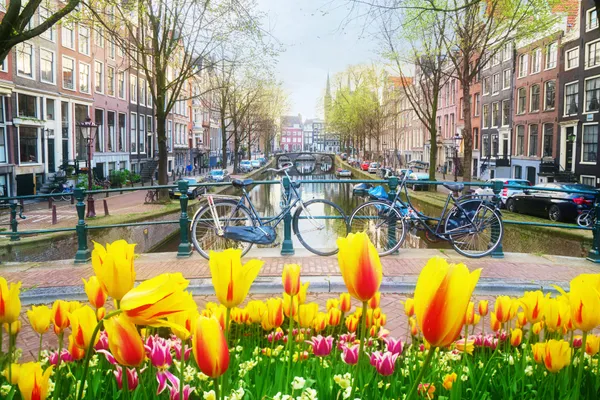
pixel 318 38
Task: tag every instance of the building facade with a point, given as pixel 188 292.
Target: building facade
pixel 291 137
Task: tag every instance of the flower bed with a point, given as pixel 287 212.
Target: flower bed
pixel 156 343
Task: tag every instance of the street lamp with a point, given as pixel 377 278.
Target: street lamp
pixel 87 130
pixel 457 139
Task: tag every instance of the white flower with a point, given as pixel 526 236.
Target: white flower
pixel 201 376
pixel 278 396
pixel 464 378
pixel 5 390
pixel 309 394
pixel 347 392
pixel 209 395
pixel 529 370
pixel 298 383
pixel 238 394
pixel 465 369
pixel 511 360
pixel 239 348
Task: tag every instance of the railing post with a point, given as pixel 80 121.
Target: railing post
pixel 13 222
pixel 497 188
pixel 393 185
pixel 83 254
pixel 185 248
pixel 287 247
pixel 594 253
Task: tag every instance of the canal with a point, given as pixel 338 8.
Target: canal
pixel 267 199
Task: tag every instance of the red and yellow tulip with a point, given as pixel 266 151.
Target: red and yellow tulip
pixel 290 279
pixel 584 301
pixel 275 312
pixel 360 266
pixel 502 309
pixel 113 266
pixel 592 345
pixel 33 381
pixel 60 316
pixel 230 278
pixel 345 302
pixel 483 307
pixel 124 341
pixel 210 347
pixel 533 304
pixel 375 301
pixel 516 336
pixel 307 314
pixel 39 318
pixel 557 355
pixel 409 307
pixel 302 292
pixel 83 322
pixel 10 303
pixel 95 292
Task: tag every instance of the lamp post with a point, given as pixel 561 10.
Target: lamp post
pixel 457 139
pixel 88 131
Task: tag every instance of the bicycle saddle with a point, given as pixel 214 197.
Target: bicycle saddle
pixel 242 182
pixel 455 187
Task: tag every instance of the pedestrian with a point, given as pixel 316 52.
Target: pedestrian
pixel 444 171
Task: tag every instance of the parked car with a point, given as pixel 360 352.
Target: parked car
pixel 373 167
pixel 418 176
pixel 365 165
pixel 556 206
pixel 219 175
pixel 385 173
pixel 400 172
pixel 344 156
pixel 255 164
pixel 506 192
pixel 245 166
pixel 343 173
pixel 262 160
pixel 192 191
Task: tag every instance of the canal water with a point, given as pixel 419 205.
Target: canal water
pixel 267 199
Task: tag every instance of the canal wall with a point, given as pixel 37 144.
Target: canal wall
pixel 517 238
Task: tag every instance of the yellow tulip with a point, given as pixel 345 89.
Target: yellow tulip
pixel 502 308
pixel 460 346
pixel 334 317
pixel 557 355
pixel 516 335
pixel 332 303
pixel 375 300
pixel 230 279
pixel 537 327
pixel 100 313
pixel 95 292
pixel 33 381
pixel 76 352
pixel 275 312
pixel 533 304
pixel 13 328
pixel 470 314
pixel 584 300
pixel 351 323
pixel 441 299
pixel 592 345
pixel 521 318
pixel 360 266
pixel 414 328
pixel 409 307
pixel 13 373
pixel 60 316
pixel 39 318
pixel 156 298
pixel 494 323
pixel 448 380
pixel 113 266
pixel 307 314
pixel 320 322
pixel 302 292
pixel 345 302
pixel 83 323
pixel 124 341
pixel 483 307
pixel 10 303
pixel 290 279
pixel 210 347
pixel 290 307
pixel 538 351
pixel 256 309
pixel 181 323
pixel 555 313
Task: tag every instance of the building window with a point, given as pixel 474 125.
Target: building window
pixel 588 180
pixel 533 140
pixel 486 145
pixel 111 49
pixel 133 91
pixel 99 37
pixel 536 60
pixel 142 134
pixel 535 98
pixel 122 132
pixel 99 121
pixel 142 91
pixel 572 98
pixel 590 143
pixel 149 95
pixel 68 35
pixel 27 106
pixel 84 40
pixel 3 153
pixel 521 100
pixel 518 172
pixel 551 53
pixel 47 66
pixel 477 104
pixel 486 85
pixel 495 83
pixel 68 72
pixel 520 149
pixel 505 112
pixel 591 20
pixel 523 61
pixel 112 137
pixel 572 57
pixel 495 114
pixel 50 109
pixel 475 138
pixel 593 54
pixel 110 81
pixel 121 84
pixel 98 77
pixel 28 144
pixel 592 94
pixel 548 143
pixel 133 123
pixel 507 53
pixel 48 33
pixel 506 79
pixel 496 58
pixel 486 115
pixel 25 60
pixel 550 95
pixel 84 78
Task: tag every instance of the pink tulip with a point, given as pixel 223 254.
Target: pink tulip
pixel 177 347
pixel 132 378
pixel 173 386
pixel 109 357
pixel 384 363
pixel 394 345
pixel 102 341
pixel 159 353
pixel 577 342
pixel 321 345
pixel 350 354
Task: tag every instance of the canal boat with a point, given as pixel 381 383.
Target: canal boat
pixel 344 173
pixel 361 189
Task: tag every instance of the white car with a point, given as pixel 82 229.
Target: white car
pixel 245 166
pixel 374 167
pixel 255 164
pixel 505 193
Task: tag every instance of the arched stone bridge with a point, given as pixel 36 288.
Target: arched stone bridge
pixel 307 163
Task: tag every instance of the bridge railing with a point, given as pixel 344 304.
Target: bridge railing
pixel 82 228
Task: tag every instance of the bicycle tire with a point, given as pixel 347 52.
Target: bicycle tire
pixel 383 242
pixel 305 229
pixel 56 191
pixel 456 220
pixel 67 196
pixel 222 242
pixel 585 219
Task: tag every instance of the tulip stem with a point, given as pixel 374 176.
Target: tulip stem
pixel 217 392
pixel 182 370
pixel 10 357
pixel 60 345
pixel 40 349
pixel 289 343
pixel 1 339
pixel 421 373
pixel 124 382
pixel 363 329
pixel 580 366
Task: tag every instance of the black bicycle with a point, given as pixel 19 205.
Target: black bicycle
pixel 230 222
pixel 473 226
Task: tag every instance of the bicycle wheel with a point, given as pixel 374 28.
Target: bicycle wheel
pixel 204 230
pixel 66 195
pixel 585 219
pixel 476 230
pixel 56 198
pixel 382 223
pixel 318 224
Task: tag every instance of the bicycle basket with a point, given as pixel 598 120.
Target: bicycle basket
pixel 250 234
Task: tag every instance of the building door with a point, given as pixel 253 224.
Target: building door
pixel 51 157
pixel 569 149
pixel 25 185
pixel 531 175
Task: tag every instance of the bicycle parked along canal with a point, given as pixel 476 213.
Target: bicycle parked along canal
pixel 230 222
pixel 473 226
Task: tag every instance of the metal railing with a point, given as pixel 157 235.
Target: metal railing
pixel 83 253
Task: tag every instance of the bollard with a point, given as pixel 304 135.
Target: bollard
pixel 151 180
pixel 13 222
pixel 22 204
pixel 106 214
pixel 594 253
pixel 287 247
pixel 83 254
pixel 72 199
pixel 185 248
pixel 497 188
pixel 106 194
pixel 50 201
pixel 54 218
